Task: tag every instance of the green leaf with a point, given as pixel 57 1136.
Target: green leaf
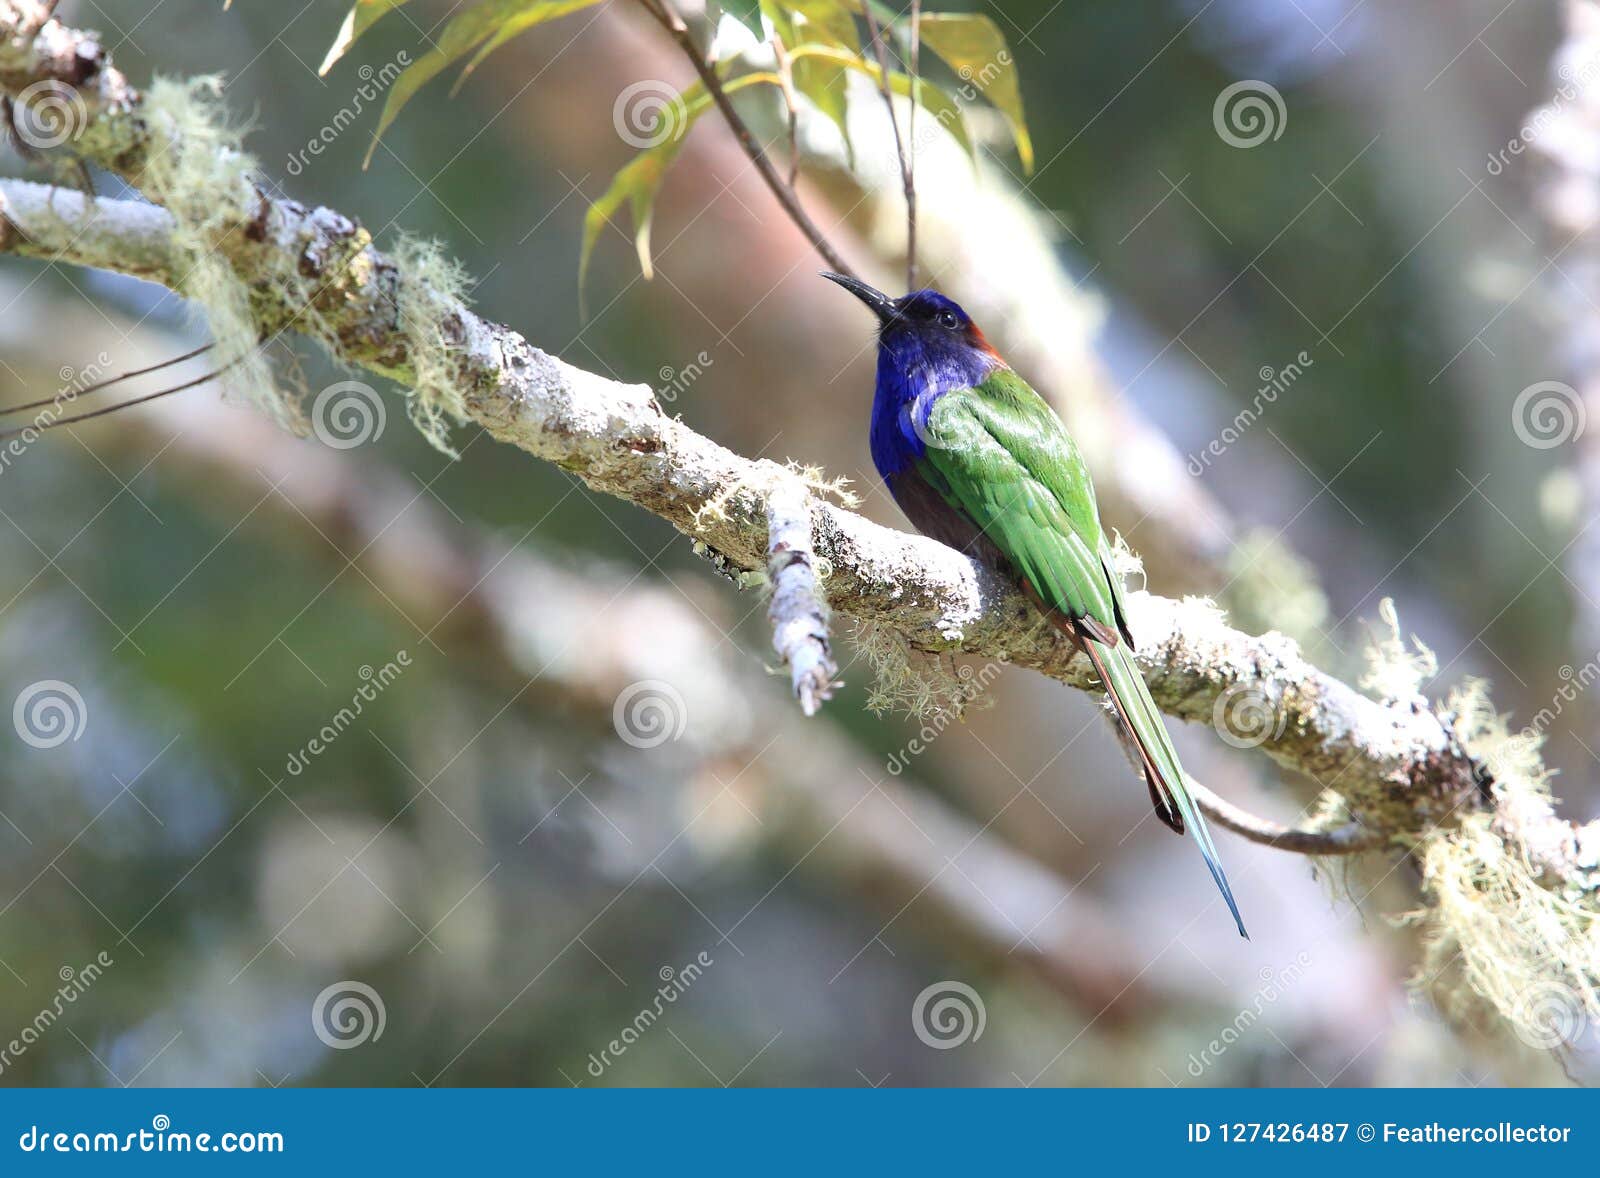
pixel 487 23
pixel 826 84
pixel 886 16
pixel 361 17
pixel 928 96
pixel 781 20
pixel 976 49
pixel 534 13
pixel 826 21
pixel 748 13
pixel 639 181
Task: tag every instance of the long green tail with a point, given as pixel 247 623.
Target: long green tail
pixel 1126 686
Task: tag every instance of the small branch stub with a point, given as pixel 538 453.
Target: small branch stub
pixel 798 612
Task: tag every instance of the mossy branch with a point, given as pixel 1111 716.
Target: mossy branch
pixel 1450 785
pixel 1401 766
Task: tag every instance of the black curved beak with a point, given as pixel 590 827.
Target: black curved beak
pixel 882 305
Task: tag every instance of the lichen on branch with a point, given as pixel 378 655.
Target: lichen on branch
pixel 1433 781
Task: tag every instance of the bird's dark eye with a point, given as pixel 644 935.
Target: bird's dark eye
pixel 947 319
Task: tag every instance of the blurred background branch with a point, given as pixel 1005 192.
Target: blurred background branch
pixel 1564 135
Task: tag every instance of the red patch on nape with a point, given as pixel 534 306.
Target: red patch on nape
pixel 976 339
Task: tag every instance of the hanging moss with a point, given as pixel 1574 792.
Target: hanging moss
pixel 1497 936
pixel 197 169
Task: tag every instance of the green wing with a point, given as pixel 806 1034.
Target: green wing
pixel 998 454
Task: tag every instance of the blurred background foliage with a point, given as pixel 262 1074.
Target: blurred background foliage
pixel 488 856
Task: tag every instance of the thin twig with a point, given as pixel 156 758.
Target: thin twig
pixel 668 18
pixel 911 135
pixel 1346 840
pixel 880 50
pixel 98 386
pixel 1350 839
pixel 786 83
pixel 7 435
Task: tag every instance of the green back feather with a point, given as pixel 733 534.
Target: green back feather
pixel 998 454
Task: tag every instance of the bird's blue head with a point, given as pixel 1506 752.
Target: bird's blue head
pixel 925 341
pixel 927 346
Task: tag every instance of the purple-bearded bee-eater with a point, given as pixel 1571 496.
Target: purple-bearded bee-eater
pixel 979 461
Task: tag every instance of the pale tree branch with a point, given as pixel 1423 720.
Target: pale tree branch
pixel 1399 766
